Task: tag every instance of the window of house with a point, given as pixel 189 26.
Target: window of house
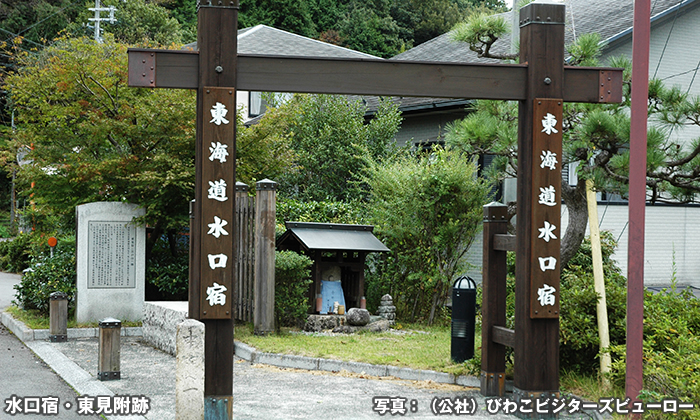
pixel 256 104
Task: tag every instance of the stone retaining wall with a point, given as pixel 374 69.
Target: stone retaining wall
pixel 160 321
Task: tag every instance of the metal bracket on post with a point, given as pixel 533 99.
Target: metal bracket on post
pixel 218 407
pixel 224 4
pixel 543 400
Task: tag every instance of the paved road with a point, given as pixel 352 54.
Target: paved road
pixel 264 392
pixel 7 292
pixel 23 374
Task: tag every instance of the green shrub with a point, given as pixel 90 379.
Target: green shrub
pixel 671 351
pixel 289 210
pixel 4 232
pixel 15 254
pixel 579 342
pixel 168 273
pixel 292 280
pixel 47 275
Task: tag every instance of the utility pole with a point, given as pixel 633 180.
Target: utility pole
pixel 98 17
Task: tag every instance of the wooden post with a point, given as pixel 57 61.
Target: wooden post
pixel 634 380
pixel 536 367
pixel 58 317
pixel 245 252
pixel 599 282
pixel 265 216
pixel 212 259
pixel 493 307
pixel 108 351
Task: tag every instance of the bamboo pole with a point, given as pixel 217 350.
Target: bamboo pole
pixel 599 279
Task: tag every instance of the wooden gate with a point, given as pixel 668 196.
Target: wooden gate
pixel 244 245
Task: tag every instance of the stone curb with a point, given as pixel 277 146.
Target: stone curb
pixel 69 371
pixel 74 375
pixel 25 333
pixel 252 355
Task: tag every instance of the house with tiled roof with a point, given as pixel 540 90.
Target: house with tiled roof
pixel 265 40
pixel 672 232
pixel 674 29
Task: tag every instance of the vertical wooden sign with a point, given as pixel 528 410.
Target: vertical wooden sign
pixel 546 208
pixel 217 160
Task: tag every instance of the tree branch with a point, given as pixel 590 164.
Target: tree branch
pixel 115 110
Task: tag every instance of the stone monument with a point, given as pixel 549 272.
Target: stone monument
pixel 111 261
pixel 387 310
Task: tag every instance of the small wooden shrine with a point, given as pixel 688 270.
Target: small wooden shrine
pixel 338 252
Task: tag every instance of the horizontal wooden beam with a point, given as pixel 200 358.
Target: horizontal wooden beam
pixel 504 242
pixel 163 68
pixel 381 78
pixel 179 69
pixel 503 335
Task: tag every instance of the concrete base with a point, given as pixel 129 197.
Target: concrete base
pixel 25 333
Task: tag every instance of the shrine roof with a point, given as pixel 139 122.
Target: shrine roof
pixel 333 237
pixel 266 40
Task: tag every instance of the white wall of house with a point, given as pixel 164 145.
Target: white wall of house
pixel 674 57
pixel 672 242
pixel 242 98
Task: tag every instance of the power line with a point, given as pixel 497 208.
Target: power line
pixel 673 25
pixel 681 73
pixel 75 2
pixel 18 35
pixel 693 79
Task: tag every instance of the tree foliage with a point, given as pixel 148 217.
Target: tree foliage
pixel 92 138
pixel 36 20
pixel 596 138
pixel 379 27
pixel 139 22
pixel 289 15
pixel 263 150
pixel 331 143
pixel 427 209
pixel 480 31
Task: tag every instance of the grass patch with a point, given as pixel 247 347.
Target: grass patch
pixel 589 387
pixel 34 320
pixel 414 346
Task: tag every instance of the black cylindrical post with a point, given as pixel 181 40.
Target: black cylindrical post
pixel 463 319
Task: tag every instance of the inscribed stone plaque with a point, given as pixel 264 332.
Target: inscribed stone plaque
pixel 111 255
pixel 111 261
